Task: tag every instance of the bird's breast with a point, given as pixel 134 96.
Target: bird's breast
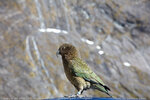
pixel 69 73
pixel 67 70
pixel 78 82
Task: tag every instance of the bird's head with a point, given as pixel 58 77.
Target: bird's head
pixel 67 50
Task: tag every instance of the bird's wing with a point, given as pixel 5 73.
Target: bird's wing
pixel 81 69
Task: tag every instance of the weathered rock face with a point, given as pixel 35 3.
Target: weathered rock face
pixel 112 36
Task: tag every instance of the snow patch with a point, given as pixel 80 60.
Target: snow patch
pixel 53 30
pixel 98 47
pixel 87 41
pixel 127 64
pixel 101 52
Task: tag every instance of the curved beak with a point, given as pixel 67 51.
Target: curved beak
pixel 57 53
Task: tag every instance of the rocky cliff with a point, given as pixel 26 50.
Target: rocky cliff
pixel 112 36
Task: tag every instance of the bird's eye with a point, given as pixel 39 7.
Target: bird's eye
pixel 63 48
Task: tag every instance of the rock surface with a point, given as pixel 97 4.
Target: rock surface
pixel 92 98
pixel 112 36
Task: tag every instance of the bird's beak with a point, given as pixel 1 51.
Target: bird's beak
pixel 57 53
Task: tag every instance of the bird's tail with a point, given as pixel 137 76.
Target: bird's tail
pixel 101 88
pixel 109 95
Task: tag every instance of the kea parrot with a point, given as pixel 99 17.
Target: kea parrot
pixel 78 72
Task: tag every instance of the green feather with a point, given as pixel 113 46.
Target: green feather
pixel 81 69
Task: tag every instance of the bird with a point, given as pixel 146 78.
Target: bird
pixel 78 72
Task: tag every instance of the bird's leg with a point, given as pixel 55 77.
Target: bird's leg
pixel 76 95
pixel 79 92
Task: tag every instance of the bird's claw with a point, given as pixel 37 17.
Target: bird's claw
pixel 74 96
pixel 71 96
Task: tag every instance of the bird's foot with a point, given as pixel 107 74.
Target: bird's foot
pixel 74 96
pixel 71 96
pixel 80 96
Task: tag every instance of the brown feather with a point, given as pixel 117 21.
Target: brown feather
pixel 68 52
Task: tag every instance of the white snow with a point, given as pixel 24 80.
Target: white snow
pixel 98 47
pixel 87 41
pixel 101 52
pixel 127 64
pixel 57 31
